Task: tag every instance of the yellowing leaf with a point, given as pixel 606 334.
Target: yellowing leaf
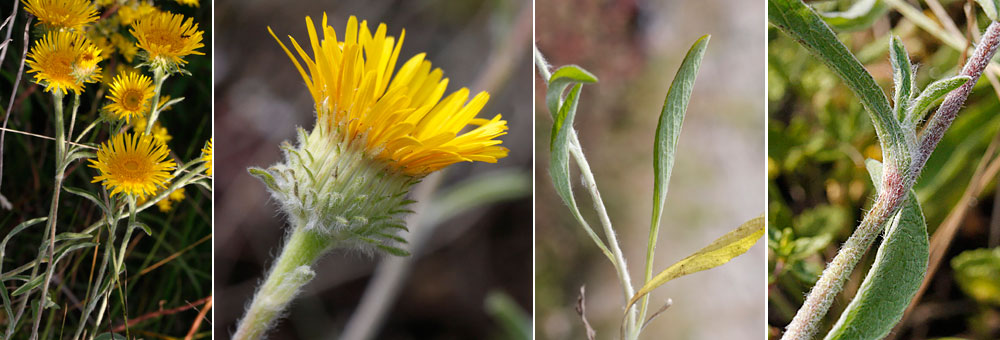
pixel 720 251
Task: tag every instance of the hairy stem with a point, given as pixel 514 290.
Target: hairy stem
pixel 631 331
pixel 159 75
pixel 946 113
pixel 288 275
pixel 50 230
pixel 895 184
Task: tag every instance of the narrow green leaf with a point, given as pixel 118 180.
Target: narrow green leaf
pixel 17 229
pixel 899 268
pixel 668 130
pixel 859 16
pixel 902 76
pixel 4 294
pixel 141 226
pixel 717 253
pixel 562 130
pixel 562 78
pixel 81 153
pixel 931 95
pixel 990 8
pixel 72 236
pixel 28 286
pixel 800 22
pixel 89 196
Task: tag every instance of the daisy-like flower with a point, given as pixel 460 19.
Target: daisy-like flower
pixel 135 10
pixel 206 156
pixel 133 164
pixel 64 61
pixel 377 132
pixel 167 38
pixel 130 95
pixel 399 118
pixel 68 14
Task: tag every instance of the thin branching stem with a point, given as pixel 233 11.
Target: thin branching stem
pixel 13 94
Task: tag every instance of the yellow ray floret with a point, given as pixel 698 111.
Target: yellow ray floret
pixel 167 37
pixel 401 117
pixel 64 61
pixel 70 14
pixel 133 164
pixel 130 95
pixel 206 156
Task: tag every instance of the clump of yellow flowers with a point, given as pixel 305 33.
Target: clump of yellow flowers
pixel 378 131
pixel 119 53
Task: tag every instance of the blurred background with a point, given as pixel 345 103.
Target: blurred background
pixel 635 48
pixel 471 277
pixel 818 138
pixel 168 274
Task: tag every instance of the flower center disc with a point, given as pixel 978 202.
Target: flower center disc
pixel 132 100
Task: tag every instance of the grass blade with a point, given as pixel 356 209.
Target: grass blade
pixel 667 132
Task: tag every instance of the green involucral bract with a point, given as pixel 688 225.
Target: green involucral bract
pixel 339 193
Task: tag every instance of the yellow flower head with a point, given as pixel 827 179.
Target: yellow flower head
pixel 130 95
pixel 192 3
pixel 70 14
pixel 133 164
pixel 167 37
pixel 125 46
pixel 168 203
pixel 135 10
pixel 160 133
pixel 400 118
pixel 64 61
pixel 206 156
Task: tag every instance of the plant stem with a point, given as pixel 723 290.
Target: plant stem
pixel 289 273
pixel 620 265
pixel 60 161
pixel 807 320
pixel 946 113
pixel 895 184
pixel 159 75
pixel 591 185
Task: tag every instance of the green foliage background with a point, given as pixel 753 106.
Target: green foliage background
pixel 818 138
pixel 27 183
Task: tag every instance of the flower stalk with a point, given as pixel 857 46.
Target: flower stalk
pixel 159 76
pixel 290 272
pixel 50 229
